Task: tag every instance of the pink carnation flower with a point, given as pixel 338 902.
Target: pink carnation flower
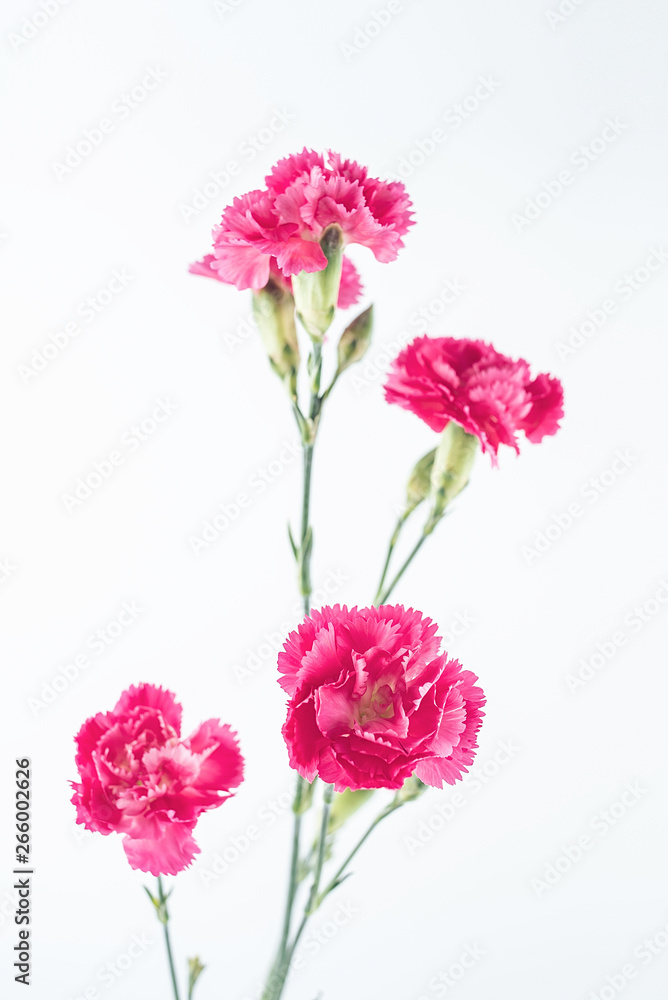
pixel 491 396
pixel 350 289
pixel 139 778
pixel 312 195
pixel 285 221
pixel 373 701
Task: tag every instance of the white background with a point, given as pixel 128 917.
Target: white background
pixel 168 335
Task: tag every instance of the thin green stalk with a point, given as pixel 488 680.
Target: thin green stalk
pixel 382 597
pixel 390 550
pixel 306 503
pixel 336 879
pixel 164 920
pixel 327 799
pixel 308 430
pixel 314 899
pixel 294 864
pixel 279 962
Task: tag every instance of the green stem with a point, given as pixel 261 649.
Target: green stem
pixel 331 385
pixel 308 430
pixel 328 797
pixel 314 899
pixel 304 555
pixel 393 541
pixel 164 919
pixel 306 502
pixel 294 865
pixel 279 968
pixel 336 879
pixel 382 597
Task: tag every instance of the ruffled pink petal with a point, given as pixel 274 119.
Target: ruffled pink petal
pixel 467 381
pixel 547 409
pixel 168 854
pixel 297 255
pixel 96 810
pixel 389 204
pixel 204 267
pixel 150 696
pixel 350 289
pixel 349 169
pixel 289 169
pixel 436 771
pixel 303 738
pixel 301 641
pixel 286 220
pixel 223 765
pixel 138 778
pixel 373 698
pixel 334 709
pixel 243 266
pixel 250 218
pixel 388 201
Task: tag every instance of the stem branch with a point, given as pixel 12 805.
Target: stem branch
pixel 382 597
pixel 336 879
pixel 390 550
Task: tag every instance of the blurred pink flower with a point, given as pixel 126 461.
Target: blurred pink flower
pixel 139 778
pixel 491 396
pixel 373 701
pixel 286 220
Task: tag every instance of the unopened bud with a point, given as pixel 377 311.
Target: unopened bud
pixel 274 312
pixel 316 293
pixel 452 467
pixel 418 487
pixel 195 970
pixel 355 340
pixel 345 804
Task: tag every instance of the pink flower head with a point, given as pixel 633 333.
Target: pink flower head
pixel 286 220
pixel 373 701
pixel 312 195
pixel 491 396
pixel 350 289
pixel 141 779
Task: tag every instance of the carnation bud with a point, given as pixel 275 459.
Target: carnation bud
pixel 195 970
pixel 411 789
pixel 355 340
pixel 274 312
pixel 452 468
pixel 419 483
pixel 316 293
pixel 345 804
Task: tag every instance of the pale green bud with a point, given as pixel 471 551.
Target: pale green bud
pixel 345 804
pixel 355 340
pixel 316 293
pixel 195 970
pixel 274 312
pixel 419 483
pixel 452 467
